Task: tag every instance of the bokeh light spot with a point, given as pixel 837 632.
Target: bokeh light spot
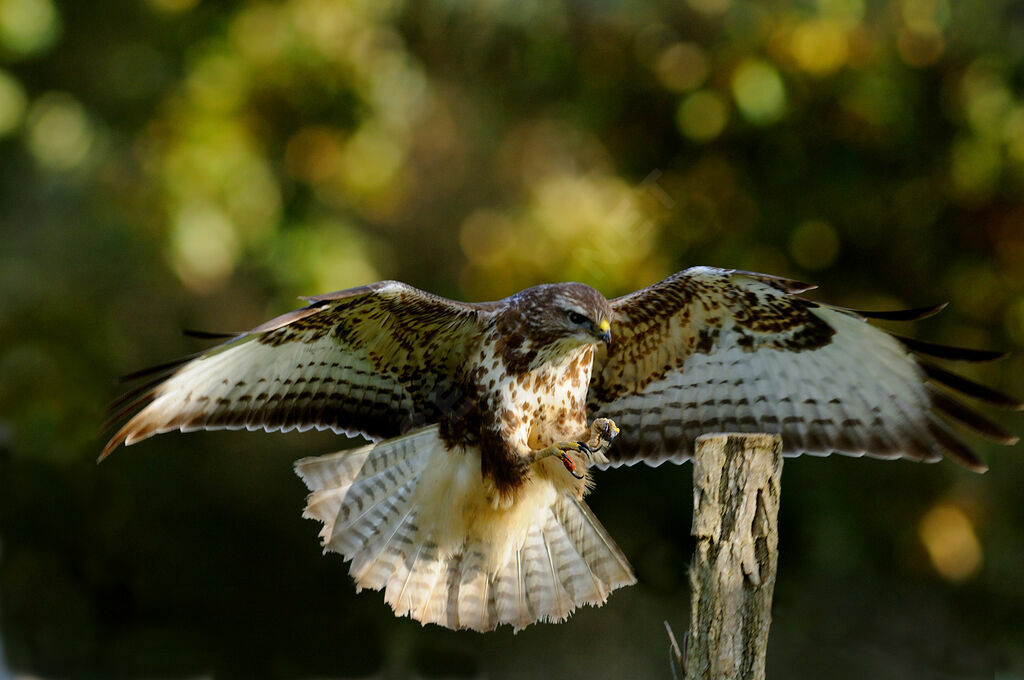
pixel 370 159
pixel 819 46
pixel 759 91
pixel 327 254
pixel 986 98
pixel 486 237
pixel 814 245
pixel 219 81
pixel 975 167
pixel 204 246
pixel 12 104
pixel 952 545
pixel 253 200
pixel 28 26
pixel 60 134
pixel 261 32
pixel 702 115
pixel 682 66
pixel 590 227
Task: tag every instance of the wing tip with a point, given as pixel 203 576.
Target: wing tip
pixel 946 405
pixel 940 351
pixel 976 466
pixel 114 442
pixel 1007 440
pixel 970 388
pixel 142 425
pixel 913 314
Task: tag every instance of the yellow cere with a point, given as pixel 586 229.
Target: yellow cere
pixel 604 326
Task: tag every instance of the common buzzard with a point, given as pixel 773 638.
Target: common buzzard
pixel 468 510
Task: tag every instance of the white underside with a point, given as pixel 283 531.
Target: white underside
pixel 417 521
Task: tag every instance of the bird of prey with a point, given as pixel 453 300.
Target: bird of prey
pixel 468 509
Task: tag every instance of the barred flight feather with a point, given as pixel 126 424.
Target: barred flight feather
pixel 371 360
pixel 717 350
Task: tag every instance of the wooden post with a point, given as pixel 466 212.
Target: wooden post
pixel 736 481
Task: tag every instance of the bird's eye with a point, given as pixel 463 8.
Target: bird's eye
pixel 577 318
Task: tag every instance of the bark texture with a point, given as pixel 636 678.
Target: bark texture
pixel 736 490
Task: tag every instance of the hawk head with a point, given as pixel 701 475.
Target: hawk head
pixel 552 321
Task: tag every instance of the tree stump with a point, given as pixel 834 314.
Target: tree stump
pixel 736 489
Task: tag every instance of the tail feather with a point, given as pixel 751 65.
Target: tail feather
pixel 380 556
pixel 542 583
pixel 473 594
pixel 356 493
pixel 336 498
pixel 595 546
pixel 411 593
pixel 509 596
pixel 425 601
pixel 575 575
pixel 445 555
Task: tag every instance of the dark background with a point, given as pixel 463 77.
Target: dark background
pixel 169 164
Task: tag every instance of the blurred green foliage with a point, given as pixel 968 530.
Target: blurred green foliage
pixel 199 163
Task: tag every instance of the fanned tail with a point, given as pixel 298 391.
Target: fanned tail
pixel 414 519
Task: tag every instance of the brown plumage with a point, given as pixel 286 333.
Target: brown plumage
pixel 710 350
pixel 465 513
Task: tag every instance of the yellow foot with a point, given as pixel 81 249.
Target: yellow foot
pixel 601 433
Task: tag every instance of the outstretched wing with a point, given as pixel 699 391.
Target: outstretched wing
pixel 377 360
pixel 711 350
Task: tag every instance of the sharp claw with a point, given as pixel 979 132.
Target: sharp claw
pixel 569 465
pixel 607 430
pixel 584 448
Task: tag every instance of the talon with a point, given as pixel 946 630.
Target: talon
pixel 584 448
pixel 569 465
pixel 607 429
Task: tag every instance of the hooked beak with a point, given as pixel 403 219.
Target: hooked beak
pixel 605 335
